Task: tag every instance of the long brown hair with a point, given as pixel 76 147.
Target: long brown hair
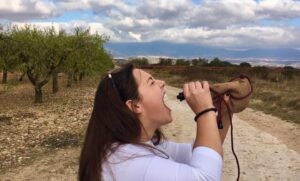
pixel 111 122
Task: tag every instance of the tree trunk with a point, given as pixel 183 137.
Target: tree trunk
pixel 38 95
pixel 21 77
pixel 54 82
pixel 81 75
pixel 4 77
pixel 70 79
pixel 38 85
pixel 75 77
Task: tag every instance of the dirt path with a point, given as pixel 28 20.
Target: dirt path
pixel 267 148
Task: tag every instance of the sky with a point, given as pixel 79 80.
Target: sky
pixel 230 24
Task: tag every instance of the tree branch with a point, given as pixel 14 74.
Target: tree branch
pixel 31 77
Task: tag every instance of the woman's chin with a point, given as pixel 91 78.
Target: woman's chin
pixel 166 121
pixel 169 120
pixel 168 108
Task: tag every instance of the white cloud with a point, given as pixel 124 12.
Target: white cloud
pixel 73 5
pixel 99 28
pixel 94 27
pixel 135 36
pixel 38 25
pixel 27 9
pixel 229 24
pixel 232 38
pixel 278 9
pixel 163 9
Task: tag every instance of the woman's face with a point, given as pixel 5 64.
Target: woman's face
pixel 152 92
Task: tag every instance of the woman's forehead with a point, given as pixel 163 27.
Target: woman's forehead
pixel 141 76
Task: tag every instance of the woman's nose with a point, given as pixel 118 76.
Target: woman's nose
pixel 162 83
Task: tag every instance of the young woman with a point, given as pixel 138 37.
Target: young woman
pixel 123 139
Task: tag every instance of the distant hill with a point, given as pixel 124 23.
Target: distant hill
pixel 160 48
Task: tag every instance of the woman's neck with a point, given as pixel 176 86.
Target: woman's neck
pixel 147 134
pixel 148 129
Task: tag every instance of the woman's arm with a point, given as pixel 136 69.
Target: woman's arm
pixel 199 98
pixel 182 152
pixel 208 133
pixel 179 152
pixel 205 164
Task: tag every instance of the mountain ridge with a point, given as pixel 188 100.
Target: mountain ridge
pixel 160 48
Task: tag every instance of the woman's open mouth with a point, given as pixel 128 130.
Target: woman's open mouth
pixel 166 101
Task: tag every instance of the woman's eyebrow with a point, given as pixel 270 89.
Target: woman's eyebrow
pixel 150 78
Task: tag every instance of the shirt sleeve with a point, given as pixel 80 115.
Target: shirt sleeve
pixel 179 152
pixel 205 164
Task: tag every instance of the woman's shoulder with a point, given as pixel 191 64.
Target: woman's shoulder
pixel 146 150
pixel 126 159
pixel 120 151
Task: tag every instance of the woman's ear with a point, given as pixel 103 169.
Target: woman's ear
pixel 134 106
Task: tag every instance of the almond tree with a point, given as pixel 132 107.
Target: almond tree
pixel 45 53
pixel 57 53
pixel 89 57
pixel 32 51
pixel 8 58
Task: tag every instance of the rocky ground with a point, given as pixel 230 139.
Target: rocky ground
pixel 42 142
pixel 28 131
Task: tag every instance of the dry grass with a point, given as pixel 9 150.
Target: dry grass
pixel 279 99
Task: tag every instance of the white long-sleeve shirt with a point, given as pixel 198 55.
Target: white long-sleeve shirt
pixel 136 163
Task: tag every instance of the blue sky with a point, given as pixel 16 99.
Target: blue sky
pixel 70 16
pixel 229 24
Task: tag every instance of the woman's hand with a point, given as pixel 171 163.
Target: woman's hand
pixel 198 96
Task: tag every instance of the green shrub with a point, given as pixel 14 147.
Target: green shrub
pixel 288 72
pixel 245 64
pixel 165 61
pixel 275 76
pixel 182 62
pixel 199 61
pixel 260 72
pixel 139 61
pixel 216 62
